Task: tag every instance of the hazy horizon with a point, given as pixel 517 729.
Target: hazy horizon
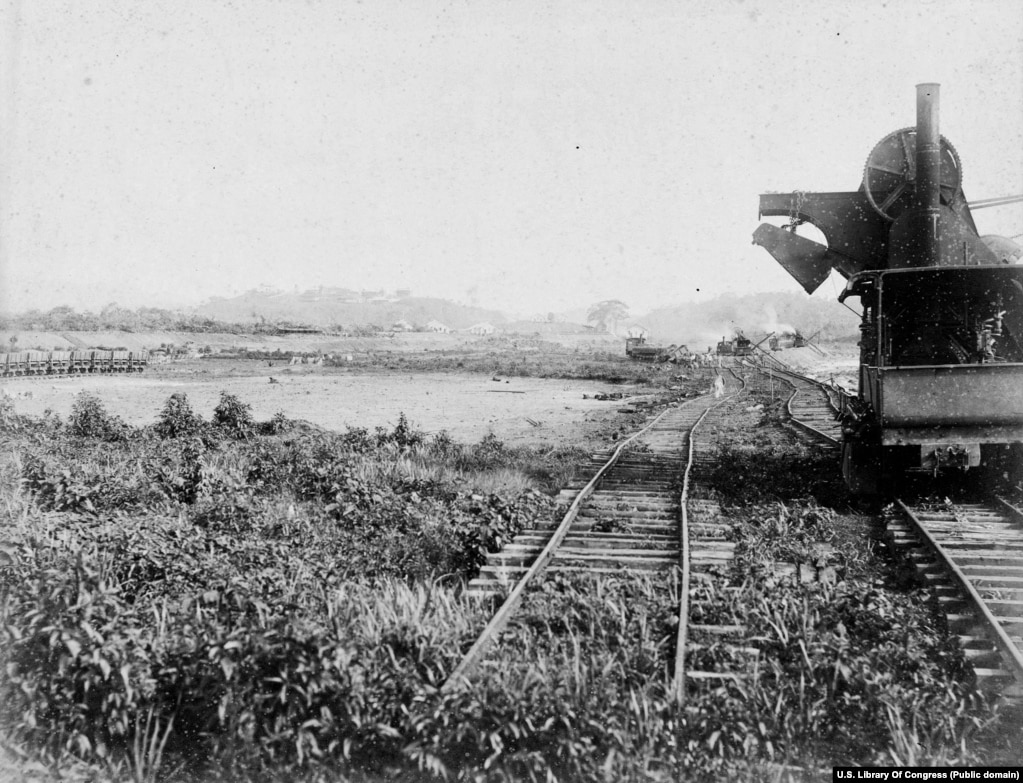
pixel 575 311
pixel 546 154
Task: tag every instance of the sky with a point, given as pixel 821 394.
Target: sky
pixel 525 155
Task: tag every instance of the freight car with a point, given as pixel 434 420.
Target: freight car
pixel 941 348
pixel 29 363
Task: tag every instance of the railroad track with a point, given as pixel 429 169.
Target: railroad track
pixel 630 518
pixel 714 648
pixel 813 406
pixel 971 555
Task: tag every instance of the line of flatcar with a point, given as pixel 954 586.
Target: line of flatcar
pixel 629 518
pixel 33 363
pixel 971 555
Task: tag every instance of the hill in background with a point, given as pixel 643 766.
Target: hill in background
pixel 261 312
pixel 324 308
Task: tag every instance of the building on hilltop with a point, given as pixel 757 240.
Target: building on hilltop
pixel 339 294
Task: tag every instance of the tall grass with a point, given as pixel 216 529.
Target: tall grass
pixel 241 603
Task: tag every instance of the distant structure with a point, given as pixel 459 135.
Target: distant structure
pixel 482 328
pixel 337 294
pixel 637 330
pixel 437 326
pixel 297 329
pixel 401 325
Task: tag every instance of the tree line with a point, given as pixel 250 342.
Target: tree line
pixel 114 317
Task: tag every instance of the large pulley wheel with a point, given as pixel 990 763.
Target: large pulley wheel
pixel 889 178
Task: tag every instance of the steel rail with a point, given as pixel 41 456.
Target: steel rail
pixel 800 423
pixel 785 369
pixel 795 390
pixel 1010 653
pixel 1010 509
pixel 679 682
pixel 511 603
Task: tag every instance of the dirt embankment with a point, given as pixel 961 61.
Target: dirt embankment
pixel 838 361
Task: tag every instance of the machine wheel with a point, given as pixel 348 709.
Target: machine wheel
pixel 889 178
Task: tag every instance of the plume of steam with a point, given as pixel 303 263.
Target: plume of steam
pixel 772 325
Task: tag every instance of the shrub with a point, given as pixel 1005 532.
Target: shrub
pixel 745 474
pixel 89 419
pixel 233 416
pixel 488 454
pixel 184 474
pixel 75 665
pixel 278 425
pixel 404 434
pixel 443 445
pixel 10 420
pixel 177 418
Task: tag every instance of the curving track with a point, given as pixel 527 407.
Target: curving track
pixel 971 555
pixel 813 406
pixel 636 516
pixel 630 518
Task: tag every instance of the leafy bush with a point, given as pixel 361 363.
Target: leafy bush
pixel 58 489
pixel 177 419
pixel 278 425
pixel 489 453
pixel 183 473
pixel 404 434
pixel 75 661
pixel 233 416
pixel 89 419
pixel 744 474
pixel 10 420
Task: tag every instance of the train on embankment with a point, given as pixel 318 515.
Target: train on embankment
pixel 33 363
pixel 941 347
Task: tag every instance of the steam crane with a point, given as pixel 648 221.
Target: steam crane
pixel 941 349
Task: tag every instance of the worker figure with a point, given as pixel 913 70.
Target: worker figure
pixel 719 386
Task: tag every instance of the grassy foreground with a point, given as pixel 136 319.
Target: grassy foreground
pixel 232 600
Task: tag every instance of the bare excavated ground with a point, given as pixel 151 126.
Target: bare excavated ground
pixel 836 361
pixel 519 411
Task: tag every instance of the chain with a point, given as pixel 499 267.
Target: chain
pixel 796 208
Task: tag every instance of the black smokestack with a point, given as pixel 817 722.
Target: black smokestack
pixel 928 174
